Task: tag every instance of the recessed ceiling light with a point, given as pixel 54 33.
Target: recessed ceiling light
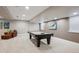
pixel 75 13
pixel 27 7
pixel 23 15
pixel 55 18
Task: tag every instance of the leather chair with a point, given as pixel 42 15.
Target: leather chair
pixel 10 34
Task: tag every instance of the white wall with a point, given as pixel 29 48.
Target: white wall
pixel 33 26
pixel 21 26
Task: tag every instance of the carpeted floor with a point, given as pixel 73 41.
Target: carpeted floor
pixel 22 44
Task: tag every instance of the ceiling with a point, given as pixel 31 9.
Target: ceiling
pixel 4 13
pixel 54 12
pixel 17 12
pixel 35 13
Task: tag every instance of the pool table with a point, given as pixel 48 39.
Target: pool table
pixel 40 35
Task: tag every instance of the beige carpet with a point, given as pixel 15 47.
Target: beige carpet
pixel 23 44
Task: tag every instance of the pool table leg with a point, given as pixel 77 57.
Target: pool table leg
pixel 38 42
pixel 30 36
pixel 48 40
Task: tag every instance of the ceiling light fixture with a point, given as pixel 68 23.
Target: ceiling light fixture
pixel 23 15
pixel 27 7
pixel 55 18
pixel 75 13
